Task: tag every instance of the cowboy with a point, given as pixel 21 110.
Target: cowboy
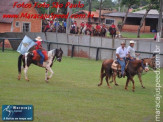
pixel 103 25
pixel 121 53
pixel 88 26
pixel 39 49
pixel 82 24
pixel 64 24
pixel 98 27
pixel 113 26
pixel 131 51
pixel 75 23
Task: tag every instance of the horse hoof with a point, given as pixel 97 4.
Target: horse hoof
pixel 126 89
pixel 48 78
pixel 109 87
pixel 116 84
pixel 99 84
pixel 133 90
pixel 143 87
pixel 27 80
pixel 46 81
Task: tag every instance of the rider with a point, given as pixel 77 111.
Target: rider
pixel 39 49
pixel 121 53
pixel 65 24
pixel 113 26
pixel 82 24
pixel 89 26
pixel 75 23
pixel 104 26
pixel 131 51
pixel 98 27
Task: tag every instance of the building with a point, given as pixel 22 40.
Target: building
pixel 17 24
pixel 79 16
pixel 133 20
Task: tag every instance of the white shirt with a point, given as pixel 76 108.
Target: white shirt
pixel 131 51
pixel 122 52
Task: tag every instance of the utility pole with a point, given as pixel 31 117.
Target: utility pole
pixel 100 12
pixel 69 11
pixel 159 31
pixel 89 3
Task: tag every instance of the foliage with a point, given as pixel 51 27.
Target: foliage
pixel 130 2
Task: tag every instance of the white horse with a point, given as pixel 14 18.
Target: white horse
pixel 28 59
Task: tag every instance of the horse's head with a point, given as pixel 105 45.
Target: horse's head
pixel 144 64
pixel 151 61
pixel 58 54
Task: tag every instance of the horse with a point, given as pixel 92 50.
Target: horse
pixel 103 32
pixel 132 68
pixel 112 32
pixel 88 31
pixel 95 32
pixel 74 30
pixel 27 59
pixel 83 30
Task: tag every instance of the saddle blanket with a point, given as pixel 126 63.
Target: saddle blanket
pixel 37 56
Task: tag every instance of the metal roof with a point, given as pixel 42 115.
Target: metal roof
pixel 6 7
pixel 131 15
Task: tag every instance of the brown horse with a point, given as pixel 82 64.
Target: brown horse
pixel 137 65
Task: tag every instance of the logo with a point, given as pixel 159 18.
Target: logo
pixel 26 45
pixel 17 112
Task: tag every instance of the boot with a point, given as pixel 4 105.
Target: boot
pixel 124 74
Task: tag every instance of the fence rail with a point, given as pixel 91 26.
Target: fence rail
pixel 97 48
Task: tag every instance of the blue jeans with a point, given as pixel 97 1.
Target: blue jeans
pixel 42 56
pixel 122 63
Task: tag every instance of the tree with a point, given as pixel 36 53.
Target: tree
pixel 128 4
pixel 152 4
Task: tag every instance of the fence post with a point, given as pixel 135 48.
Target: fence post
pixel 49 46
pixel 3 45
pixel 97 51
pixel 72 51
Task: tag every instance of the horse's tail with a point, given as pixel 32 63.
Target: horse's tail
pixel 19 65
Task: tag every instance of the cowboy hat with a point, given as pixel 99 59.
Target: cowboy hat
pixel 132 42
pixel 38 38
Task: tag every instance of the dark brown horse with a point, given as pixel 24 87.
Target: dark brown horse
pixel 103 32
pixel 133 68
pixel 112 32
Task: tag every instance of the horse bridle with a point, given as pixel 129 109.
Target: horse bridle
pixel 142 63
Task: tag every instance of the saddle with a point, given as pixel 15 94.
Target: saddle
pixel 37 57
pixel 115 65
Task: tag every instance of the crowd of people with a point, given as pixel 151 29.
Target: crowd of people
pixel 50 25
pixel 86 28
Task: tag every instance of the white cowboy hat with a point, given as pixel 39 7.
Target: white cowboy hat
pixel 39 38
pixel 132 41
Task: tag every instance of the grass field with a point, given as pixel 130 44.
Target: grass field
pixel 134 35
pixel 73 95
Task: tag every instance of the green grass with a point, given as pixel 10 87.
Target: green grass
pixel 73 95
pixel 134 35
